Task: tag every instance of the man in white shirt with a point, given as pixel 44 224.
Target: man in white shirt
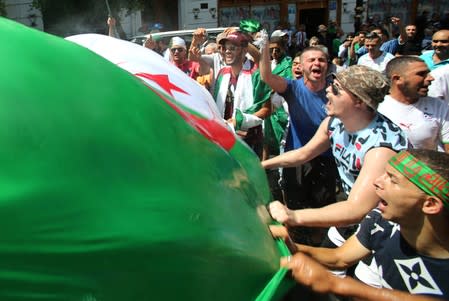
pixel 440 86
pixel 424 119
pixel 375 58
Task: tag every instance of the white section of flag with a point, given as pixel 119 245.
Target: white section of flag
pixel 138 59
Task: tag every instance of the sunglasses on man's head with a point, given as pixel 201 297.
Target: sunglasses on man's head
pixel 173 50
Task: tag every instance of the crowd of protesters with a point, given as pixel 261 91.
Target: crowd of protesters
pixel 353 131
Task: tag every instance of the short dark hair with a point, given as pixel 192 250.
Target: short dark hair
pixel 314 48
pixel 438 161
pixel 372 36
pixel 382 30
pixel 399 64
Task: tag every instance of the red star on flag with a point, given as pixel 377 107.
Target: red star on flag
pixel 210 129
pixel 163 81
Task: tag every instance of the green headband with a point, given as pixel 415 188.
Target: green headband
pixel 422 176
pixel 250 25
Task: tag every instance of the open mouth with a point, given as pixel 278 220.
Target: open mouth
pixel 297 73
pixel 424 89
pixel 316 71
pixel 382 205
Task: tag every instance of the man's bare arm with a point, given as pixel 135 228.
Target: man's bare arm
pixel 277 83
pixel 317 145
pixel 446 147
pixel 265 111
pixel 343 257
pixel 310 273
pixel 361 200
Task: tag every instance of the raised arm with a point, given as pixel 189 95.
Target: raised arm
pixel 149 42
pixel 195 55
pixel 112 32
pixel 351 48
pixel 198 38
pixel 277 83
pixel 402 35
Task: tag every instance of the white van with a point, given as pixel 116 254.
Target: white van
pixel 185 34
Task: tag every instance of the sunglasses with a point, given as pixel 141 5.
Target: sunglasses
pixel 334 87
pixel 230 48
pixel 275 50
pixel 173 50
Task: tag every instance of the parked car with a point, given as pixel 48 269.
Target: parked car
pixel 185 34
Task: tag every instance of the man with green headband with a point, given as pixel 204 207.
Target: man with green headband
pixel 408 232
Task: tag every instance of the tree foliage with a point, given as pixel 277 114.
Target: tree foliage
pixel 2 8
pixel 78 16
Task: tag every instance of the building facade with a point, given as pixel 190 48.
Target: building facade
pixel 23 12
pixel 292 13
pixel 188 14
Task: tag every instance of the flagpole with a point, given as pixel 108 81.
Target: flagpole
pixel 110 15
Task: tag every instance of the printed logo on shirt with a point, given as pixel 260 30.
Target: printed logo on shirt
pixel 416 277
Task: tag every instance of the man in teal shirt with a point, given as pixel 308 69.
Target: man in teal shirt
pixel 439 56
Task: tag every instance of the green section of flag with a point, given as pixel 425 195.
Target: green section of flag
pixel 276 123
pixel 106 193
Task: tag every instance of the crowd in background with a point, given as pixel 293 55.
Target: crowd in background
pixel 342 123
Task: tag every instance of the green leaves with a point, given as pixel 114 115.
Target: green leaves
pixel 2 8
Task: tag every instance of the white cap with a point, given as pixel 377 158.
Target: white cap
pixel 177 42
pixel 278 33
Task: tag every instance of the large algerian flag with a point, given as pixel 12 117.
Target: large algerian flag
pixel 111 189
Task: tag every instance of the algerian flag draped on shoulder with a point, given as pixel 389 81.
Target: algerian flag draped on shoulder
pixel 248 96
pixel 112 189
pixel 276 123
